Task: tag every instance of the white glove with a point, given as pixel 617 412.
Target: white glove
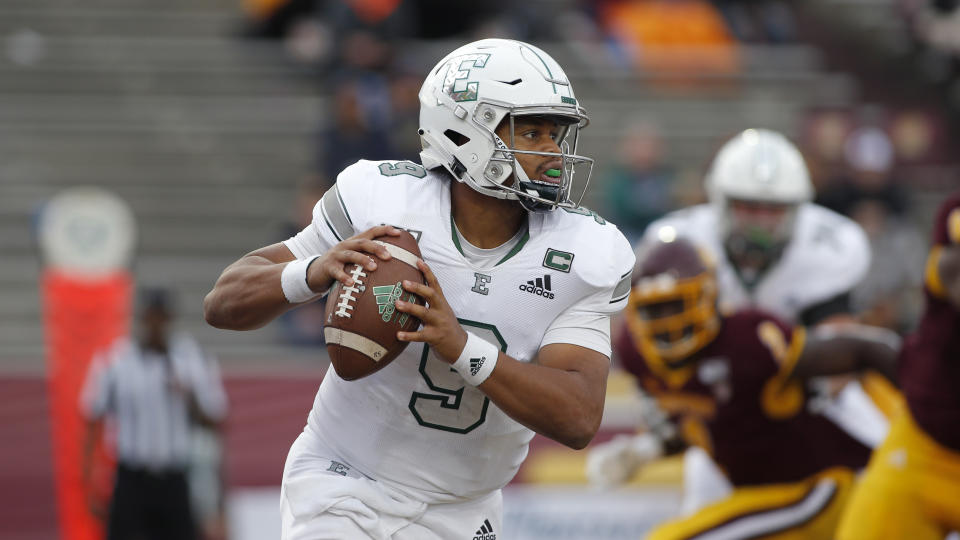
pixel 612 463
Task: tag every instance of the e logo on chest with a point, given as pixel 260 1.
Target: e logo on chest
pixel 480 283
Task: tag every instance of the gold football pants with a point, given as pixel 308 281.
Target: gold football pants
pixel 807 510
pixel 911 489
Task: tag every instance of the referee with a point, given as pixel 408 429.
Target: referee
pixel 152 389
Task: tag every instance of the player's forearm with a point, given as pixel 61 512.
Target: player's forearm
pixel 882 358
pixel 565 406
pixel 849 349
pixel 247 295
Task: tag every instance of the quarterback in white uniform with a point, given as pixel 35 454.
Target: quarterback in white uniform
pixel 517 274
pixel 775 250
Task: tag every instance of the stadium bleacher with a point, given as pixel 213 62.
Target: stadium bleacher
pixel 206 136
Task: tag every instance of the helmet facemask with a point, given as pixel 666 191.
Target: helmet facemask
pixel 755 234
pixel 555 186
pixel 672 318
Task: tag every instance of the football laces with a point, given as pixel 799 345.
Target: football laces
pixel 346 297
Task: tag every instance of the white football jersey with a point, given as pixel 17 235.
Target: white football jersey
pixel 415 423
pixel 826 257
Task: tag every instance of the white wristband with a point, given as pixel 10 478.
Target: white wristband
pixel 477 360
pixel 293 281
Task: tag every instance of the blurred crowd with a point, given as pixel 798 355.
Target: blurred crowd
pixel 855 161
pixel 934 28
pixel 863 158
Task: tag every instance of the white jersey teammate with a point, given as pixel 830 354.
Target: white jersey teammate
pixel 517 275
pixel 774 250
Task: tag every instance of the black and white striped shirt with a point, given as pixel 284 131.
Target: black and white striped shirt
pixel 147 396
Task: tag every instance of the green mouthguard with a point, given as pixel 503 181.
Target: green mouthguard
pixel 555 173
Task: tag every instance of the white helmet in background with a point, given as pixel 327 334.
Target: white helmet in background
pixel 758 180
pixel 466 96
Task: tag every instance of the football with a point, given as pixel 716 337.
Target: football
pixel 361 321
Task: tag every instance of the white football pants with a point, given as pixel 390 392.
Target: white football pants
pixel 323 498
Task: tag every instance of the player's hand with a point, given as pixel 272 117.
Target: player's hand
pixel 614 462
pixel 354 250
pixel 440 328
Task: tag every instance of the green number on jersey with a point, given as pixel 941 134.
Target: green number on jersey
pixel 455 406
pixel 402 167
pixel 586 212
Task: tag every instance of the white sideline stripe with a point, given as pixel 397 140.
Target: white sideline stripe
pixel 777 519
pixel 400 254
pixel 356 342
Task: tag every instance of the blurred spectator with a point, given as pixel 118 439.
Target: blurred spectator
pixel 914 135
pixel 405 116
pixel 935 22
pixel 759 21
pixel 869 158
pixel 153 388
pixel 442 19
pixel 639 185
pixel 934 28
pixel 890 295
pixel 392 19
pixel 273 19
pixel 824 134
pixel 359 130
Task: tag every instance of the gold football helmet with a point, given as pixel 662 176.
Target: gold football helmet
pixel 672 311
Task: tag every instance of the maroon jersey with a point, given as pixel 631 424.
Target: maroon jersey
pixel 930 361
pixel 737 400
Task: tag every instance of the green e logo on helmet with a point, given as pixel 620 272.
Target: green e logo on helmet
pixel 458 70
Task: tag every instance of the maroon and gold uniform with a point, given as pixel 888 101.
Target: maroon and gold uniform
pixel 735 397
pixel 930 364
pixel 912 486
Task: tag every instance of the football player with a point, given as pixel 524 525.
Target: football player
pixel 777 251
pixel 912 486
pixel 520 286
pixel 734 386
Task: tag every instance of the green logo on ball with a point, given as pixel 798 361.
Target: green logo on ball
pixel 386 295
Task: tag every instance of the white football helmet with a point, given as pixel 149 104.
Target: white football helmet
pixel 763 168
pixel 466 96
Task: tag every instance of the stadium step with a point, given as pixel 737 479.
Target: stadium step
pixel 207 136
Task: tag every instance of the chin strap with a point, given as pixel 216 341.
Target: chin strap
pixel 536 189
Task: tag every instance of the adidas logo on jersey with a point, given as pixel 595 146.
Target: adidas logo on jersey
pixel 485 532
pixel 539 286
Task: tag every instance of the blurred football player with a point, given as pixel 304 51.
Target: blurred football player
pixel 521 283
pixel 734 386
pixel 777 251
pixel 912 486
